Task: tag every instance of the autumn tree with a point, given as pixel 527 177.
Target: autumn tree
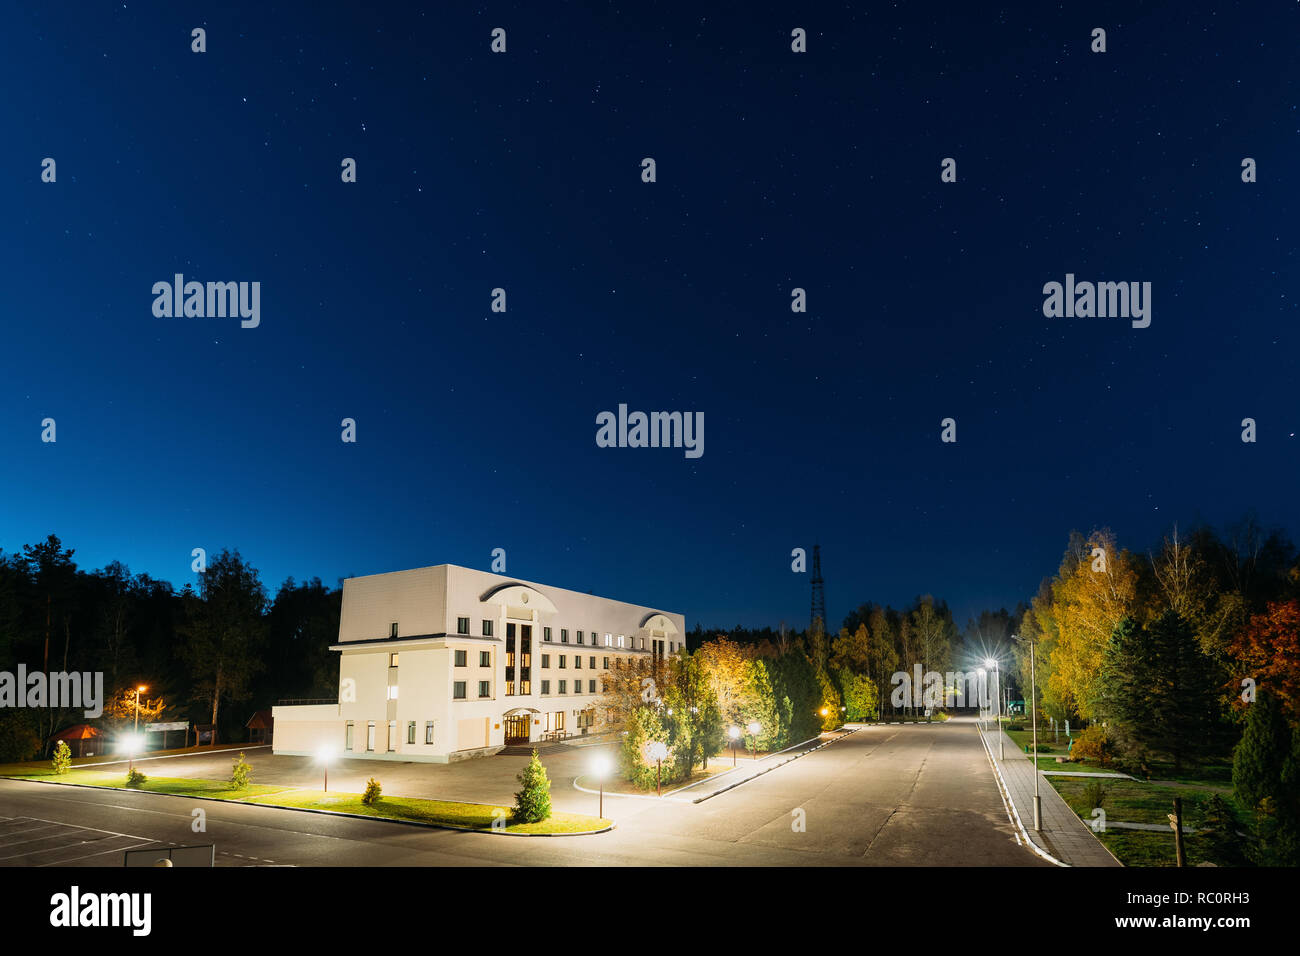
pixel 1268 651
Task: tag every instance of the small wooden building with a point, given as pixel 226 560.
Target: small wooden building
pixel 261 727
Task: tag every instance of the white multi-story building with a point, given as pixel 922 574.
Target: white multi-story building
pixel 446 662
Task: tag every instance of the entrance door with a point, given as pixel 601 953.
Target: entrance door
pixel 517 729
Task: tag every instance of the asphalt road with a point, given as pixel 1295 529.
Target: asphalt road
pixel 884 796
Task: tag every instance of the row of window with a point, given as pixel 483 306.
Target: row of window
pixel 349 733
pixel 458 689
pixel 577 686
pixel 462 627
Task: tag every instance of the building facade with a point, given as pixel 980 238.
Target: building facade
pixel 444 663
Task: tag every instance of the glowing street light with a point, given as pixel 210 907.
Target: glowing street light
pixel 734 733
pixel 132 743
pixel 324 756
pixel 657 751
pixel 600 767
pixel 754 728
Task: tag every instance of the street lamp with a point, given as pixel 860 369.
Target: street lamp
pixel 657 751
pixel 734 733
pixel 992 662
pixel 324 756
pixel 600 767
pixel 754 728
pixel 1033 719
pixel 132 742
pixel 142 687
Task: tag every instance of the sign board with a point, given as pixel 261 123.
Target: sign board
pixel 175 725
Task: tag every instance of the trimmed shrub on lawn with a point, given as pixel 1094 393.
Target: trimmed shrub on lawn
pixel 135 778
pixel 1095 742
pixel 62 761
pixel 1094 792
pixel 374 792
pixel 533 802
pixel 240 773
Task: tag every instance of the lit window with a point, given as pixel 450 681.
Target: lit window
pixel 392 692
pixel 392 660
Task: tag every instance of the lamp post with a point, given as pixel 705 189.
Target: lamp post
pixel 754 728
pixel 657 751
pixel 324 755
pixel 600 766
pixel 984 694
pixel 734 733
pixel 132 745
pixel 1033 718
pixel 142 687
pixel 997 689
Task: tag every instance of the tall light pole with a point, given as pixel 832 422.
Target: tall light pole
pixel 1033 711
pixel 324 755
pixel 754 728
pixel 734 733
pixel 992 662
pixel 137 706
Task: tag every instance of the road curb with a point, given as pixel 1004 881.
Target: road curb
pixel 738 783
pixel 1005 793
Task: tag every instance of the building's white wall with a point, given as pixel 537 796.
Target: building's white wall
pixel 425 603
pixel 307 729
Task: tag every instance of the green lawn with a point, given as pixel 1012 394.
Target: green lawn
pixel 218 789
pixel 469 816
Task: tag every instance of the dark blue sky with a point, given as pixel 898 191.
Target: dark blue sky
pixel 476 430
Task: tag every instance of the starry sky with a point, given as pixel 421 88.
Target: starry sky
pixel 775 170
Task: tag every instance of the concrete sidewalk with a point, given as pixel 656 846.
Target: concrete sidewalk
pixel 1064 836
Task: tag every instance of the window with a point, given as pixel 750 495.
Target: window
pixel 604 688
pixel 605 663
pixel 591 688
pixel 392 631
pixel 510 688
pixel 410 732
pixel 559 719
pixel 347 737
pixel 370 735
pixel 525 686
pixel 462 625
pixel 577 661
pixel 484 658
pixel 564 635
pixel 564 687
pixel 487 628
pixel 458 690
pixel 620 640
pixel 392 736
pixel 591 662
pixel 643 643
pixel 593 638
pixel 577 687
pixel 546 660
pixel 546 687
pixel 392 660
pixel 484 688
pixel 428 731
pixel 460 658
pixel 392 692
pixel 609 642
pixel 546 633
pixel 561 661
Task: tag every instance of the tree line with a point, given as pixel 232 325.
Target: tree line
pixel 212 655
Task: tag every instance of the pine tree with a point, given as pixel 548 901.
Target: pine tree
pixel 1264 777
pixel 533 802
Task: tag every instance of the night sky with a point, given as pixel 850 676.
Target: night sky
pixel 775 170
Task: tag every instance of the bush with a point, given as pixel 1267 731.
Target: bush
pixel 1015 726
pixel 240 773
pixel 533 802
pixel 1094 793
pixel 1095 742
pixel 135 778
pixel 374 792
pixel 62 761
